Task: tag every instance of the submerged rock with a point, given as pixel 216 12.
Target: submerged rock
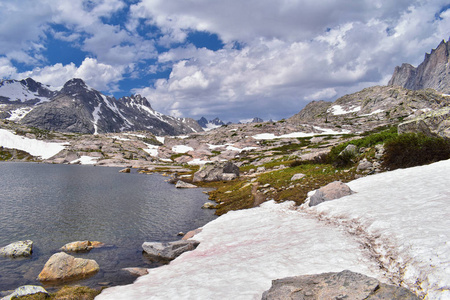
pixel 81 246
pixel 62 266
pixel 191 233
pixel 331 191
pixel 136 271
pixel 126 170
pixel 342 285
pixel 17 249
pixel 26 290
pixel 169 251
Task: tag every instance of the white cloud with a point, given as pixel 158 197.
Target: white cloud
pixel 322 94
pixel 97 75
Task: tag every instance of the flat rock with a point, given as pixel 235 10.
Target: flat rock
pixel 170 250
pixel 331 191
pixel 62 266
pixel 26 290
pixel 191 233
pixel 136 271
pixel 17 249
pixel 81 246
pixel 342 285
pixel 297 176
pixel 184 185
pixel 217 172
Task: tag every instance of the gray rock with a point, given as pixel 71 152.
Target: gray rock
pixel 352 149
pixel 260 169
pixel 26 290
pixel 170 250
pixel 184 185
pixel 217 172
pixel 337 286
pixel 331 191
pixel 297 176
pixel 364 165
pixel 17 249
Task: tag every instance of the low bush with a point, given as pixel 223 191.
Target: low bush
pixel 414 149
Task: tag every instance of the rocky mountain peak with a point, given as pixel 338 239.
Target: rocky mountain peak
pixel 73 86
pixel 433 72
pixel 136 100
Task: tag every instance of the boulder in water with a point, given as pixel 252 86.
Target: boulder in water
pixel 17 249
pixel 62 266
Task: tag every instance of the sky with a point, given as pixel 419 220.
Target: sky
pixel 234 59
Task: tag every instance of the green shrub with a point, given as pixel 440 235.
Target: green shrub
pixel 414 149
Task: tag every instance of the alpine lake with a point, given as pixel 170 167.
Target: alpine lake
pixel 57 204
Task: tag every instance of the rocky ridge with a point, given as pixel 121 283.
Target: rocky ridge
pixel 432 73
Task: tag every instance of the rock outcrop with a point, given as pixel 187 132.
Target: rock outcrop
pixel 62 266
pixel 17 249
pixel 433 72
pixel 184 185
pixel 342 285
pixel 433 123
pixel 331 191
pixel 26 290
pixel 168 251
pixel 216 172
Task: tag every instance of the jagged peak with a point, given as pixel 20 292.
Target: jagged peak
pixel 75 82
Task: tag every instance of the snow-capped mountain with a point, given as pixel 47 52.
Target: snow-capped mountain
pixel 211 124
pixel 79 108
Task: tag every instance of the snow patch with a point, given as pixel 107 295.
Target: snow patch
pixel 38 148
pixel 96 116
pixel 181 149
pixel 339 110
pixel 19 113
pixel 85 160
pixel 16 91
pixel 152 150
pixel 373 113
pixel 325 131
pixel 160 139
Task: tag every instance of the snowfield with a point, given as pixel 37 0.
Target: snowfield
pixel 398 220
pixel 35 147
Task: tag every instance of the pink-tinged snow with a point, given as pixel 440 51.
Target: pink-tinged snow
pixel 406 216
pixel 38 148
pixel 243 251
pixel 324 131
pixel 85 160
pixel 399 220
pixel 339 110
pixel 181 149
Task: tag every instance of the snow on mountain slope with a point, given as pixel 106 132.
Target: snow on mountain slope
pixel 399 220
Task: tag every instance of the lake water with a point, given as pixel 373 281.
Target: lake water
pixel 56 204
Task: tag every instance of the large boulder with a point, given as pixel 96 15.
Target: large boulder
pixel 26 290
pixel 331 191
pixel 184 185
pixel 342 285
pixel 169 251
pixel 17 249
pixel 81 246
pixel 62 266
pixel 219 171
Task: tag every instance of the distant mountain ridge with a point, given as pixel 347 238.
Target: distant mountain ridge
pixel 433 72
pixel 79 108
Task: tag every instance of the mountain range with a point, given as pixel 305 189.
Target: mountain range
pixel 79 108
